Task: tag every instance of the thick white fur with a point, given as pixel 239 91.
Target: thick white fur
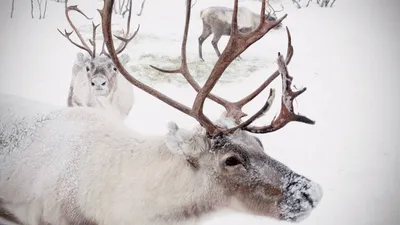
pixel 94 164
pixel 118 102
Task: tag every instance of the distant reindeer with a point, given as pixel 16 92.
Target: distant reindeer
pixel 95 81
pixel 79 165
pixel 217 21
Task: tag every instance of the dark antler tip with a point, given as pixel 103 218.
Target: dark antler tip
pixel 304 119
pixel 310 122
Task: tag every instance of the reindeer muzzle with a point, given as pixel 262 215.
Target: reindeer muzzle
pixel 301 196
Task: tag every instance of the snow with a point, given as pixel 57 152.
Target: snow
pixel 347 57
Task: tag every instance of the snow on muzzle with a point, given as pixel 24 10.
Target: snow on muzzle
pixel 300 197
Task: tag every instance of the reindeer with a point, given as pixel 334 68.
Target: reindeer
pixel 95 81
pixel 79 165
pixel 217 20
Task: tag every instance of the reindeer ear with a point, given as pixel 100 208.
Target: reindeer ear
pixel 81 59
pixel 175 138
pixel 124 58
pixel 184 142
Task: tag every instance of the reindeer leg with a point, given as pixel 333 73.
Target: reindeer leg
pixel 214 42
pixel 204 35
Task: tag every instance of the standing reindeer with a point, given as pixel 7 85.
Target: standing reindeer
pixel 217 21
pixel 95 81
pixel 79 165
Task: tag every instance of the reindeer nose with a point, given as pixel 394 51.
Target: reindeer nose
pixel 316 193
pixel 98 82
pixel 301 196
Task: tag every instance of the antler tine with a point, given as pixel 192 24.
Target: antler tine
pixel 282 8
pixel 273 9
pixel 67 35
pixel 125 40
pixel 263 8
pixel 272 77
pixel 106 15
pixel 103 50
pixel 141 8
pixel 93 41
pixel 286 113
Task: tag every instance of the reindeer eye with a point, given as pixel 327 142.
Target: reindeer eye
pixel 232 161
pixel 87 69
pixel 115 69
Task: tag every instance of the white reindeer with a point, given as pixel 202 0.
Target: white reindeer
pixel 95 81
pixel 217 20
pixel 80 165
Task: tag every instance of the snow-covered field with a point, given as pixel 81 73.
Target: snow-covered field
pixel 347 57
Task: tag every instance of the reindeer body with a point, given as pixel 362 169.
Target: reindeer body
pixel 94 169
pixel 82 166
pixel 95 83
pixel 217 20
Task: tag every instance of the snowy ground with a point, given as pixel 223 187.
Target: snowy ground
pixel 347 56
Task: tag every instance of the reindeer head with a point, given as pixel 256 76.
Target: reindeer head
pixel 252 181
pixel 100 69
pixel 233 159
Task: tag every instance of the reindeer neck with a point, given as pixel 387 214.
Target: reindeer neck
pixel 147 172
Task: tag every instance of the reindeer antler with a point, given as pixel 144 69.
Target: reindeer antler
pixel 67 35
pixel 234 109
pixel 126 39
pixel 141 8
pixel 274 11
pixel 237 44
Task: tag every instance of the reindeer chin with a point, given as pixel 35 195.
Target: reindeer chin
pixel 101 92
